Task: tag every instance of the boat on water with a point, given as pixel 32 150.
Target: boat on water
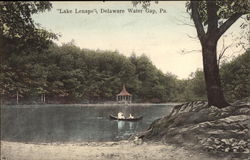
pixel 125 119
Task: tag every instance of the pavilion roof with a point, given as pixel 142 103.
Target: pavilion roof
pixel 124 92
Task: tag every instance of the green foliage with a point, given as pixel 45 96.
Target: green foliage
pixel 211 19
pixel 235 80
pixel 226 9
pixel 191 89
pixel 18 32
pixel 236 77
pixel 69 74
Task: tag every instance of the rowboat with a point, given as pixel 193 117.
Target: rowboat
pixel 125 119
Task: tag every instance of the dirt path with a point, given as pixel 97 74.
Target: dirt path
pixel 122 150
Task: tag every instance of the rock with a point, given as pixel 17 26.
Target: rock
pixel 245 101
pixel 188 107
pixel 138 141
pixel 217 141
pixel 244 111
pixel 242 143
pixel 237 118
pixel 227 149
pixel 226 141
pixel 210 128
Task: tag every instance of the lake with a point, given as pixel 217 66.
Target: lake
pixel 74 123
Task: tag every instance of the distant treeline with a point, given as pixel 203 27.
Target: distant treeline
pixel 235 78
pixel 68 74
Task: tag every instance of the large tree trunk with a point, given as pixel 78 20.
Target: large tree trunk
pixel 209 41
pixel 211 72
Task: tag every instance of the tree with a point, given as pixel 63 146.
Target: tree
pixel 18 31
pixel 20 40
pixel 212 19
pixel 236 78
pixel 197 85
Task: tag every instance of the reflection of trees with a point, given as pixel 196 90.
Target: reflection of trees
pixel 64 123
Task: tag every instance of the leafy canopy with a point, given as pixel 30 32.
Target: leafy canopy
pixel 18 31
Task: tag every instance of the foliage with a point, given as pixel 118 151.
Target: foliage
pixel 225 9
pixel 68 74
pixel 212 19
pixel 18 32
pixel 191 89
pixel 235 80
pixel 236 77
pixel 34 66
pixel 81 75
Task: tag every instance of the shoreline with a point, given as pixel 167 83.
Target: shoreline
pixel 121 150
pixel 89 105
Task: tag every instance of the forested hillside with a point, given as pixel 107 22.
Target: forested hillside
pixel 36 70
pixel 68 74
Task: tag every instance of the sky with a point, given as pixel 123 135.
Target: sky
pixel 161 33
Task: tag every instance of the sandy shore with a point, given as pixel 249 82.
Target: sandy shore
pixel 123 150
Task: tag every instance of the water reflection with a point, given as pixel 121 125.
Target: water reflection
pixel 131 125
pixel 74 124
pixel 120 125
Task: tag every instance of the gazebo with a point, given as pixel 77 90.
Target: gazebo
pixel 124 96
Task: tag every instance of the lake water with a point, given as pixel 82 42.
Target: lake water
pixel 65 123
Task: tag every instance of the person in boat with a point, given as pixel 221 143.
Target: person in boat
pixel 120 115
pixel 130 116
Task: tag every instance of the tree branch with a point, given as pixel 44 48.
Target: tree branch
pixel 187 24
pixel 197 21
pixel 223 28
pixel 183 51
pixel 192 37
pixel 221 55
